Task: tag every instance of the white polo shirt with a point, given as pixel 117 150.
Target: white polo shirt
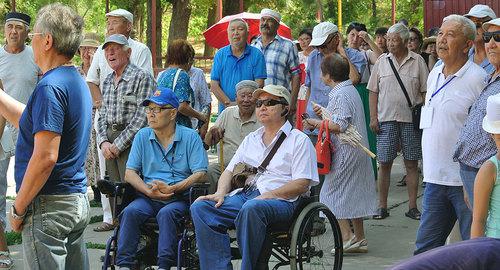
pixel 99 69
pixel 295 158
pixel 450 110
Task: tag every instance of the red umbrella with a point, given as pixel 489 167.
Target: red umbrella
pixel 216 35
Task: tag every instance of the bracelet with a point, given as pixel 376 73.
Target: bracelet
pixel 15 215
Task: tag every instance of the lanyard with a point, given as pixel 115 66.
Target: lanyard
pixel 442 86
pixel 165 156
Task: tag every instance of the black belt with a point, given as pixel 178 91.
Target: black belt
pixel 117 127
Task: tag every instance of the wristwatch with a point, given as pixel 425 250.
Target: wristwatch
pixel 14 214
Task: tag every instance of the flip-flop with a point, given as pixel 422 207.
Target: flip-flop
pixel 414 214
pixel 104 227
pixel 381 213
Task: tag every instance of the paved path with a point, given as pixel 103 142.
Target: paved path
pixel 390 240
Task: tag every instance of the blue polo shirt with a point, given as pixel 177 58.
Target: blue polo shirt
pixel 183 157
pixel 60 103
pixel 319 90
pixel 229 70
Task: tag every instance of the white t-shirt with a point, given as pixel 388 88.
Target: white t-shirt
pixel 450 110
pixel 99 69
pixel 19 75
pixel 295 158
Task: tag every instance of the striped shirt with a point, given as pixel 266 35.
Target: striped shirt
pixel 282 60
pixel 122 104
pixel 475 145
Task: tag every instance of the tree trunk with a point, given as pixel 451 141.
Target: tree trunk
pixel 230 7
pixel 212 14
pixel 159 15
pixel 374 9
pixel 181 11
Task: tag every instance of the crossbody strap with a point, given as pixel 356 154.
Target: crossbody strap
pixel 400 82
pixel 175 78
pixel 269 156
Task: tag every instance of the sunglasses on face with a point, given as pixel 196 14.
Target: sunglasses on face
pixel 488 35
pixel 267 102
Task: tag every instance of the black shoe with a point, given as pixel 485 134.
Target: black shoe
pixel 381 213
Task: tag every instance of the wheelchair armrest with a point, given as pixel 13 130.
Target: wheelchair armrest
pixel 197 190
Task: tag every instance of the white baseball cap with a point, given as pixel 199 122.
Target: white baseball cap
pixel 321 32
pixel 121 13
pixel 275 90
pixel 490 23
pixel 270 13
pixel 481 11
pixel 491 122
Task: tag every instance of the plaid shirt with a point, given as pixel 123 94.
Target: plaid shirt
pixel 122 104
pixel 282 60
pixel 474 144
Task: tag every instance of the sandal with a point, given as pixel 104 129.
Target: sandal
pixel 413 214
pixel 402 182
pixel 104 227
pixel 5 260
pixel 381 213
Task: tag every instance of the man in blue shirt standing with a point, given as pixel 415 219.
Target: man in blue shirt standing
pixel 234 63
pixel 170 158
pixel 51 207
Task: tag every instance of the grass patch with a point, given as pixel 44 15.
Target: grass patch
pixel 95 219
pixel 91 245
pixel 95 204
pixel 13 238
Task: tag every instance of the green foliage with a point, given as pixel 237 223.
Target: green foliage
pixel 95 219
pixel 13 238
pixel 91 245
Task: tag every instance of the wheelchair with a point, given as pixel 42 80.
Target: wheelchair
pixel 302 244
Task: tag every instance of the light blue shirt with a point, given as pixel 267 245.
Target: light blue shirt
pixel 183 157
pixel 319 90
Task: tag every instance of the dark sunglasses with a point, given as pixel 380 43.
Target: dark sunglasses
pixel 488 35
pixel 268 102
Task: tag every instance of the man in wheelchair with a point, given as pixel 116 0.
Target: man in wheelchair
pixel 170 158
pixel 268 198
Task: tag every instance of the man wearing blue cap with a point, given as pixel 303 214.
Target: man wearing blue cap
pixel 171 158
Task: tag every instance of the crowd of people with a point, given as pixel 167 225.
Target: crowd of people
pixel 433 99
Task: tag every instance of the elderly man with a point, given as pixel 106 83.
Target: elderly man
pixel 51 206
pixel 390 114
pixel 170 158
pixel 118 21
pixel 236 62
pixel 232 126
pixel 18 81
pixel 327 40
pixel 269 198
pixel 282 59
pixel 121 114
pixel 452 89
pixel 479 14
pixel 475 145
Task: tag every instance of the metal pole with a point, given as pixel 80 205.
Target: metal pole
pixel 340 14
pixel 153 32
pixel 393 11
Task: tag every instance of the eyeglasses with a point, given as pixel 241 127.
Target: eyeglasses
pixel 157 109
pixel 268 102
pixel 31 35
pixel 488 35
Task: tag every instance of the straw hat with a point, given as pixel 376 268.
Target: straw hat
pixel 427 41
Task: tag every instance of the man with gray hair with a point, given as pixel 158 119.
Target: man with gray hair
pixel 231 127
pixel 121 114
pixel 452 88
pixel 18 81
pixel 391 113
pixel 236 62
pixel 51 207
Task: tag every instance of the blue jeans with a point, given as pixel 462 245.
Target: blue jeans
pixel 53 232
pixel 169 217
pixel 251 218
pixel 4 165
pixel 442 206
pixel 468 175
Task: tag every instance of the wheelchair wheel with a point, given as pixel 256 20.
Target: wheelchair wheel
pixel 313 246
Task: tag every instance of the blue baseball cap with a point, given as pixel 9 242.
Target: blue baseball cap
pixel 163 96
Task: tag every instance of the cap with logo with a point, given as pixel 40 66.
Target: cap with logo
pixel 162 96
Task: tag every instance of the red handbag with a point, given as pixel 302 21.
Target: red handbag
pixel 324 149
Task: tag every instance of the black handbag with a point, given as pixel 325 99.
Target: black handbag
pixel 416 109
